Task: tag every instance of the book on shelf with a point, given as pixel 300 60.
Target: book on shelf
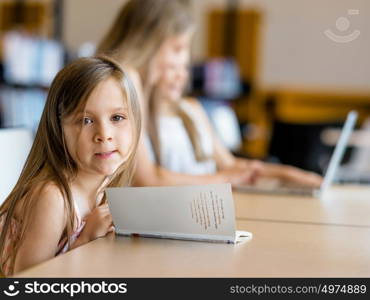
pixel 192 212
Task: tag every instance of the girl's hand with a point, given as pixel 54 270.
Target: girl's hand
pixel 287 174
pixel 240 175
pixel 98 223
pixel 297 176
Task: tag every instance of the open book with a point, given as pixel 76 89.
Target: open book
pixel 196 212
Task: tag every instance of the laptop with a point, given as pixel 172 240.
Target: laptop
pixel 330 173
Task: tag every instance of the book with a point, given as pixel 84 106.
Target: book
pixel 192 212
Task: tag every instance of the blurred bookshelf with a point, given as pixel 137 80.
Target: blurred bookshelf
pixel 31 53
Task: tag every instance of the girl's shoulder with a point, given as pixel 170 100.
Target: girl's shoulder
pixel 46 189
pixel 50 189
pixel 191 101
pixel 193 104
pixel 50 195
pixel 194 107
pixel 45 197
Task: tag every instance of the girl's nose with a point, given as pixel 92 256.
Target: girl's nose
pixel 103 134
pixel 101 139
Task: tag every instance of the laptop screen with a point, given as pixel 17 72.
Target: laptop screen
pixel 339 150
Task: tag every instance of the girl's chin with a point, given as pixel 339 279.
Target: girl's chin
pixel 103 168
pixel 107 171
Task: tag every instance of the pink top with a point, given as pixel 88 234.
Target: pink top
pixel 12 236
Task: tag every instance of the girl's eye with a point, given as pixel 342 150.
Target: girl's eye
pixel 87 121
pixel 118 118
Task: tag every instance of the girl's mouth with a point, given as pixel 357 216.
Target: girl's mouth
pixel 105 155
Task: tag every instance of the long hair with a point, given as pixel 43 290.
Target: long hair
pixel 49 159
pixel 141 27
pixel 189 123
pixel 135 37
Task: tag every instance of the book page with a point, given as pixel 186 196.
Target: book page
pixel 191 212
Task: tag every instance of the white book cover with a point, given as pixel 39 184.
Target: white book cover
pixel 193 212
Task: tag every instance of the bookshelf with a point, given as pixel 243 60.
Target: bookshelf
pixel 31 52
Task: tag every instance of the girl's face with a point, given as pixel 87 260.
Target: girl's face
pixel 171 51
pixel 174 79
pixel 99 138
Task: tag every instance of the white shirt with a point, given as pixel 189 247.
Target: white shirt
pixel 177 152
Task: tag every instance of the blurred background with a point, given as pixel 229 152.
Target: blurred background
pixel 277 77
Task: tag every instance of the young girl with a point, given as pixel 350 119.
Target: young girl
pixel 86 141
pixel 146 36
pixel 149 36
pixel 184 140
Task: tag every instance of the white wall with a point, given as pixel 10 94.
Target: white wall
pixel 88 20
pixel 294 49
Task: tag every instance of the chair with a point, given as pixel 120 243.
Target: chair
pixel 225 122
pixel 215 83
pixel 15 146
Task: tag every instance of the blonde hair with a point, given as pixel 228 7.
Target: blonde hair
pixel 49 159
pixel 188 123
pixel 139 30
pixel 193 133
pixel 142 26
